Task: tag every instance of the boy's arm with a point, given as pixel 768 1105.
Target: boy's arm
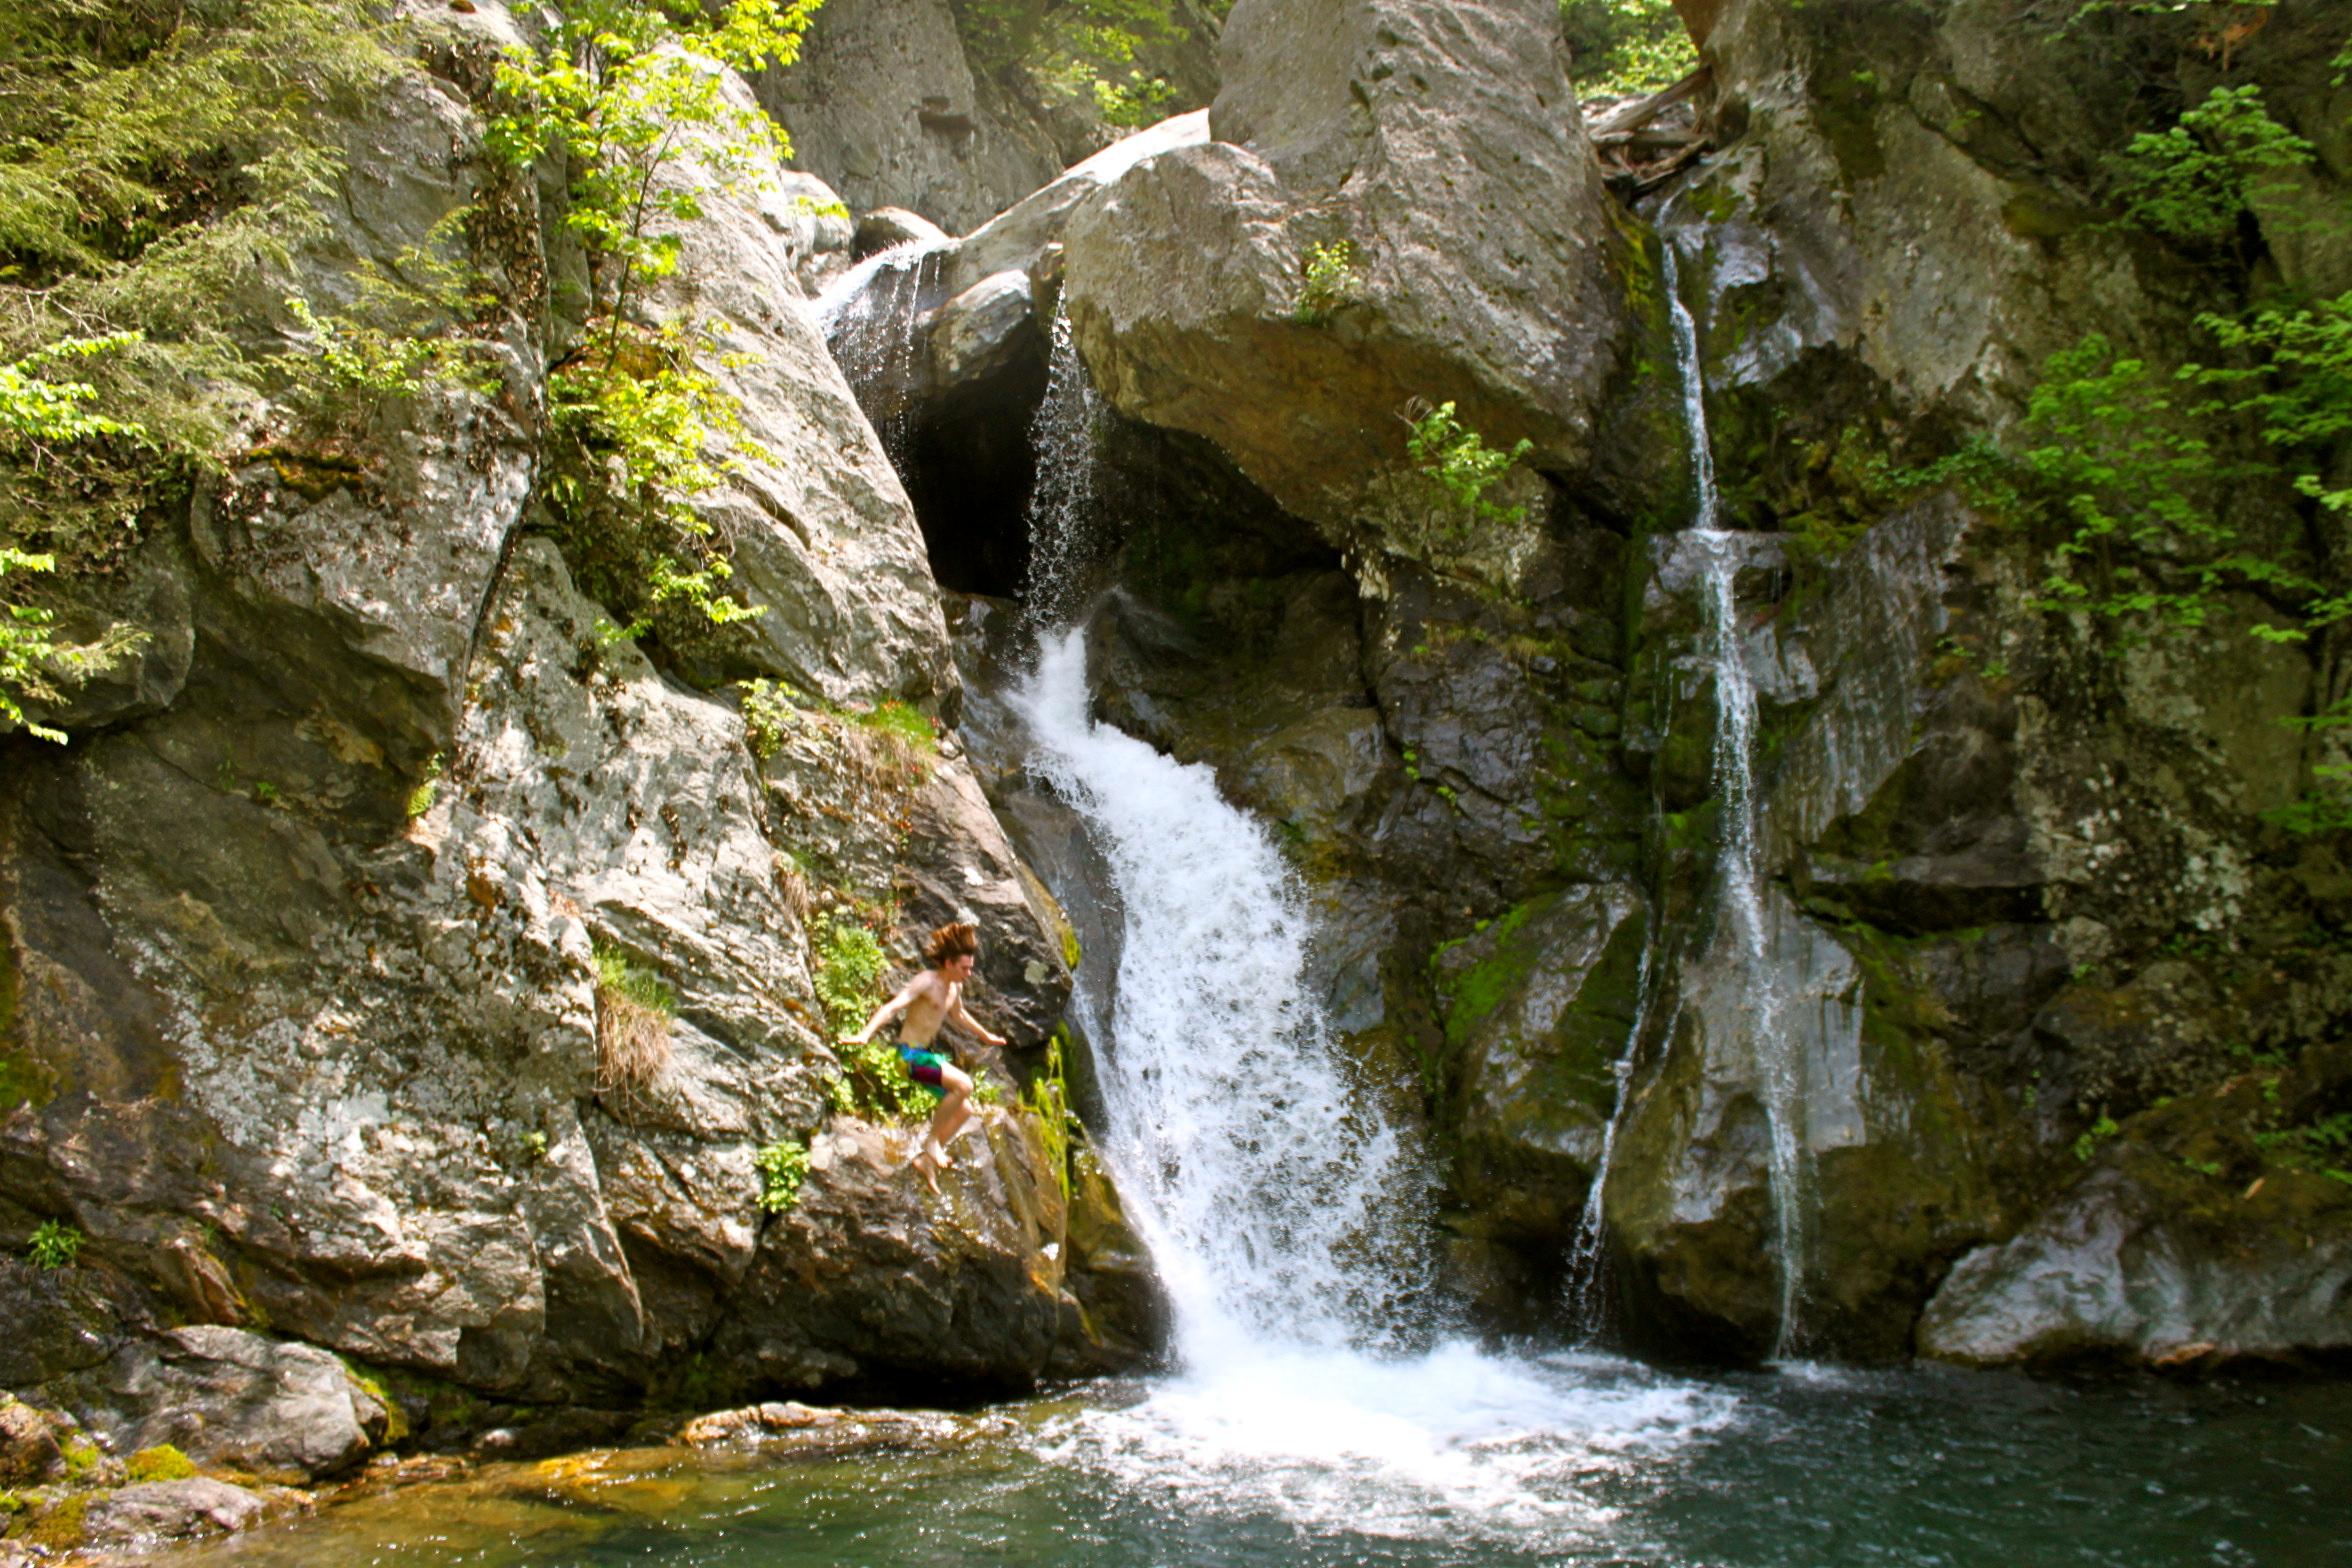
pixel 973 1024
pixel 887 1011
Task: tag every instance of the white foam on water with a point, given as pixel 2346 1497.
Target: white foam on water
pixel 1453 1442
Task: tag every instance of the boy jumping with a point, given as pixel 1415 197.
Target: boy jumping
pixel 929 1000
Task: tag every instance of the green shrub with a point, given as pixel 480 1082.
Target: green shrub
pixel 1076 51
pixel 428 789
pixel 1461 468
pixel 54 1245
pixel 153 155
pixel 2194 180
pixel 1331 280
pixel 1625 46
pixel 782 1165
pixel 622 92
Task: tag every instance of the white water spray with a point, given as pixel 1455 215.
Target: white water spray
pixel 1742 939
pixel 1061 501
pixel 868 315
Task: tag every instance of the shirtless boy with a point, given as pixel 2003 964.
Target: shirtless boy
pixel 929 1000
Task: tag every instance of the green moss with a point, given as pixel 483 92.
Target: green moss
pixel 82 1457
pixel 160 1463
pixel 902 722
pixel 377 1389
pixel 1470 994
pixel 1048 1100
pixel 61 1529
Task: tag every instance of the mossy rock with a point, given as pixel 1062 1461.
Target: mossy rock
pixel 1536 1010
pixel 160 1463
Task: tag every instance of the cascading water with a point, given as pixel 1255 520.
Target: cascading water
pixel 868 315
pixel 1584 1294
pixel 1061 503
pixel 1742 937
pixel 1288 1219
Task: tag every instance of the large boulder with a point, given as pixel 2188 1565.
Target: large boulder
pixel 2190 1241
pixel 885 108
pixel 868 1281
pixel 1485 264
pixel 236 1400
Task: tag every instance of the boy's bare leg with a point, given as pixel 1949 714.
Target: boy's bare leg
pixel 953 1112
pixel 924 1163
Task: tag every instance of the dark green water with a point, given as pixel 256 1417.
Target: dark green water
pixel 1801 1467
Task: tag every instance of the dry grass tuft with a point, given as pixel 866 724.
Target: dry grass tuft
pixel 633 1014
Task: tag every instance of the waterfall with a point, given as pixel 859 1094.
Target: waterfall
pixel 1061 502
pixel 1742 937
pixel 1290 1221
pixel 1586 1254
pixel 1274 1197
pixel 868 315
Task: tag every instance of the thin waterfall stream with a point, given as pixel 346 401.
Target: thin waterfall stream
pixel 1742 939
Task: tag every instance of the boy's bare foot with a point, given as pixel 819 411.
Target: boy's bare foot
pixel 922 1162
pixel 936 1152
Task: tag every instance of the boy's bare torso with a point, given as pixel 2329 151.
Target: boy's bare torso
pixel 935 998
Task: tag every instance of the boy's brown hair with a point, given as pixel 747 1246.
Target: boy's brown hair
pixel 956 939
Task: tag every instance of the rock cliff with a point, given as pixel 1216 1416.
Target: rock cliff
pixel 315 940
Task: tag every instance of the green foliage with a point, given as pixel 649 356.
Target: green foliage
pixel 873 1082
pixel 1331 281
pixel 428 789
pixel 2194 180
pixel 910 726
pixel 397 338
pixel 2099 1132
pixel 769 710
pixel 2322 1145
pixel 160 1463
pixel 849 972
pixel 1462 467
pixel 648 433
pixel 534 1148
pixel 153 155
pixel 1048 1099
pixel 782 1166
pixel 1625 46
pixel 1076 51
pixel 617 975
pixel 624 92
pixel 54 1245
pixel 40 419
